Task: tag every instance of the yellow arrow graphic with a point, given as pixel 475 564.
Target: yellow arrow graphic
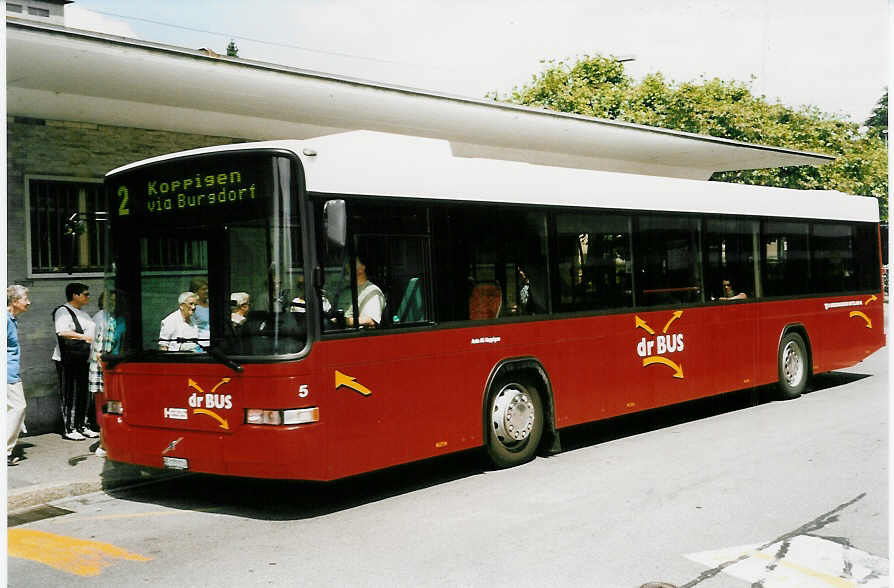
pixel 219 384
pixel 193 384
pixel 677 314
pixel 678 369
pixel 349 382
pixel 862 316
pixel 223 422
pixel 872 298
pixel 641 324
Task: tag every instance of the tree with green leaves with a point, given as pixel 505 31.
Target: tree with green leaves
pixel 232 49
pixel 598 86
pixel 878 120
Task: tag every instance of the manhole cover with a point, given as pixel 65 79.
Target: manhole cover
pixel 35 514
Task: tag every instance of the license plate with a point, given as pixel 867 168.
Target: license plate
pixel 175 463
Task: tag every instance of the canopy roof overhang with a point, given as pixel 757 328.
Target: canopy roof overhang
pixel 66 74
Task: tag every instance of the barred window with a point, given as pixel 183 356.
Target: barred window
pixel 51 203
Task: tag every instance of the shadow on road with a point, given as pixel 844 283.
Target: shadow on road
pixel 284 499
pixel 642 422
pixel 291 500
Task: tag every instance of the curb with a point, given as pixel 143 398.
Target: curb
pixel 38 494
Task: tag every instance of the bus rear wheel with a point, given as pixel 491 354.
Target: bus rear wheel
pixel 514 422
pixel 793 366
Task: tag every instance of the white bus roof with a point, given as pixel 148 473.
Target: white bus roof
pixel 368 163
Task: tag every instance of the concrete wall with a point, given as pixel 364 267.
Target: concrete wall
pixel 70 150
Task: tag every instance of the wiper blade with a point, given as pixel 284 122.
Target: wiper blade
pixel 222 357
pixel 214 352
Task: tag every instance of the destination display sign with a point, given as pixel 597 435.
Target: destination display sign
pixel 213 187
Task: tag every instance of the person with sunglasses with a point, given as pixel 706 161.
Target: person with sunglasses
pixel 74 335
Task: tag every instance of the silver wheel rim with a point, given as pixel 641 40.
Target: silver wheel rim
pixel 792 364
pixel 513 415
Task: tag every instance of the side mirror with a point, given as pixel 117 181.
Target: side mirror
pixel 335 222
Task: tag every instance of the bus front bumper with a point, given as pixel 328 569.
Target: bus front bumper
pixel 287 452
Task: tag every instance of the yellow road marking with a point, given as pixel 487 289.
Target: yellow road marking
pixel 828 579
pixel 74 556
pixel 136 515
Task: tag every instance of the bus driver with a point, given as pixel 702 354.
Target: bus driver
pixel 370 299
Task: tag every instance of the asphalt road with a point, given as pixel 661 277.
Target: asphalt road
pixel 714 493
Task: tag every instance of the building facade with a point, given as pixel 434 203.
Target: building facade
pixel 53 169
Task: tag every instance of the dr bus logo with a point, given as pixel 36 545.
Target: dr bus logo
pixel 203 403
pixel 653 349
pixel 212 400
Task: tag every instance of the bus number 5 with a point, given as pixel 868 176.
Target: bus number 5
pixel 303 392
pixel 123 210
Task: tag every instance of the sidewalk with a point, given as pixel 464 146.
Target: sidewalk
pixel 52 468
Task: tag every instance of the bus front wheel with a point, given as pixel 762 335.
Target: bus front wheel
pixel 514 422
pixel 793 366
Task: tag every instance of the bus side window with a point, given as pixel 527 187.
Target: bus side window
pixel 786 259
pixel 407 280
pixel 492 263
pixel 730 257
pixel 393 242
pixel 594 263
pixel 668 262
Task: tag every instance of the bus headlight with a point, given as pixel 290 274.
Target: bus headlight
pixel 113 407
pixel 292 416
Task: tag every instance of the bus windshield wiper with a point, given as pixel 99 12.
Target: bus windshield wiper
pixel 222 357
pixel 212 351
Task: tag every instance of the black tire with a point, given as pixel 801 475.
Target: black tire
pixel 514 421
pixel 794 366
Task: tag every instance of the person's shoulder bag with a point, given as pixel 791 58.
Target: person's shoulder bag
pixel 72 350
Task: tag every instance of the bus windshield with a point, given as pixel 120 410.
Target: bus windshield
pixel 206 255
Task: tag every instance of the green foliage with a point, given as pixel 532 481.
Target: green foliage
pixel 598 86
pixel 878 120
pixel 232 49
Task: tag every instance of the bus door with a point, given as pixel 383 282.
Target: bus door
pixel 378 353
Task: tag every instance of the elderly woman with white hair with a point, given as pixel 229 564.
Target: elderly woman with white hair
pixel 17 302
pixel 178 331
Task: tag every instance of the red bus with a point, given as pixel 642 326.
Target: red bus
pixel 374 300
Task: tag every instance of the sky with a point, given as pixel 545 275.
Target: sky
pixel 826 53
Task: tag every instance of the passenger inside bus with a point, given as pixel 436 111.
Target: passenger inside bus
pixel 178 331
pixel 202 315
pixel 240 302
pixel 729 293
